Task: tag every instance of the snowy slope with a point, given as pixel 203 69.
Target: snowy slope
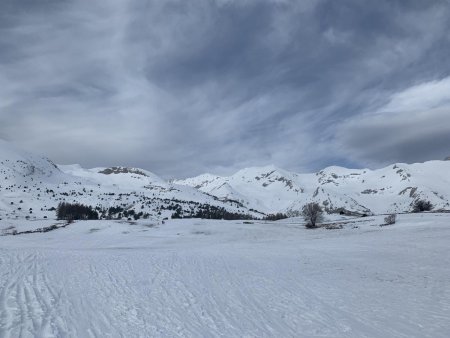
pixel 121 177
pixel 32 186
pixel 203 278
pixel 363 191
pixel 269 189
pixel 23 166
pixel 394 188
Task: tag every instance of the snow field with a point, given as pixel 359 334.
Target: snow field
pixel 200 278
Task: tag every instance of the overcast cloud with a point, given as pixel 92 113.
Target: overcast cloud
pixel 184 87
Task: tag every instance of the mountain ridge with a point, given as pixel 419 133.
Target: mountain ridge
pixel 362 191
pixel 32 185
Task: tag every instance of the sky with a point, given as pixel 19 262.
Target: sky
pixel 185 87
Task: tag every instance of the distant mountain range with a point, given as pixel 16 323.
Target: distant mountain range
pixel 363 191
pixel 31 186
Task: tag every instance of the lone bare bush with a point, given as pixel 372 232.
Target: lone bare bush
pixel 422 205
pixel 390 219
pixel 313 214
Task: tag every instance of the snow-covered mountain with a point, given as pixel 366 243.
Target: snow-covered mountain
pixel 363 191
pixel 32 186
pixel 269 189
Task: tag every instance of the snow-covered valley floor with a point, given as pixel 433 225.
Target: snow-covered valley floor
pixel 199 278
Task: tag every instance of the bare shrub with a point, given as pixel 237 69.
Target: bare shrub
pixel 390 219
pixel 313 214
pixel 422 205
pixel 334 226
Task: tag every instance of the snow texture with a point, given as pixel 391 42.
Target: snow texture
pixel 200 278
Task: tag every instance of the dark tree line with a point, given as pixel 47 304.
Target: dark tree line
pixel 275 217
pixel 213 212
pixel 75 211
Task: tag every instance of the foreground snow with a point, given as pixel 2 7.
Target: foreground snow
pixel 198 278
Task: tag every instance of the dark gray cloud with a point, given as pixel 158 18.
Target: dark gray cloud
pixel 413 126
pixel 182 87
